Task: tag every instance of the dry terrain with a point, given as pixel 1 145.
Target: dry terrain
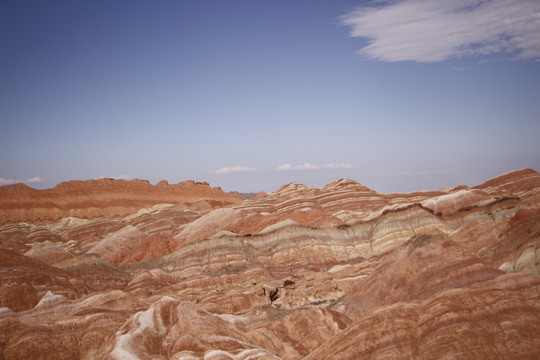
pixel 113 269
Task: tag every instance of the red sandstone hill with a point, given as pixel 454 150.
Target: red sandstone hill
pixel 340 272
pixel 102 198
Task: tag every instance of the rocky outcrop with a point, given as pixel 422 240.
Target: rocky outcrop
pixel 25 281
pixel 340 272
pixel 66 329
pixel 415 271
pixel 499 319
pixel 102 198
pixel 174 329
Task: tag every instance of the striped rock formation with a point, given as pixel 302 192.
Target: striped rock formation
pixel 102 198
pixel 341 272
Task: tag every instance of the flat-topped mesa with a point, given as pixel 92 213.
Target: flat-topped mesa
pixel 108 185
pixel 100 198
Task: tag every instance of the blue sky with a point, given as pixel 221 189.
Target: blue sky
pixel 249 95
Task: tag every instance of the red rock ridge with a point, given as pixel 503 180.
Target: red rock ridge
pixel 102 198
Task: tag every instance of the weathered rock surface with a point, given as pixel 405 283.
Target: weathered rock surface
pixel 494 320
pixel 414 271
pixel 131 270
pixel 102 198
pixel 25 281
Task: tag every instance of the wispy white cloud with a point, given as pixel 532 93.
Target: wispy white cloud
pixel 6 181
pixel 436 30
pixel 308 166
pixel 337 166
pixel 233 169
pixel 119 177
pixel 35 179
pixel 305 166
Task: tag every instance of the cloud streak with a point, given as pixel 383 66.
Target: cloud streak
pixel 119 177
pixel 35 179
pixel 337 166
pixel 436 30
pixel 308 166
pixel 5 181
pixel 234 169
pixel 305 166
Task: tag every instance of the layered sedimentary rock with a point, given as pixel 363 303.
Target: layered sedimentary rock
pixel 25 281
pixel 494 320
pixel 340 272
pixel 414 271
pixel 102 198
